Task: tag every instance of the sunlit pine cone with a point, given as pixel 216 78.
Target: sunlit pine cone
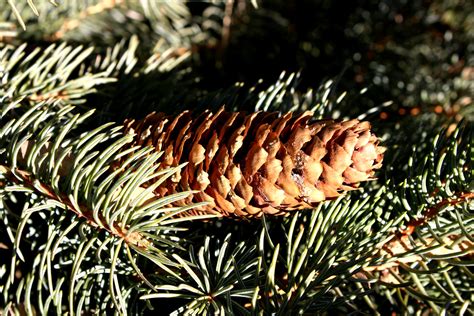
pixel 246 165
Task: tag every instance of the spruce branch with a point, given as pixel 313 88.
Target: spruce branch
pixel 21 177
pixel 109 201
pixel 439 238
pixel 68 74
pixel 400 245
pixel 150 21
pixel 83 231
pixel 47 74
pixel 221 281
pixel 317 251
pixel 30 11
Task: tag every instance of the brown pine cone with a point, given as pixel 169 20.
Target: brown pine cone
pixel 246 165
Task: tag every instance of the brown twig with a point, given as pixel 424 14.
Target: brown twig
pixel 403 245
pixel 60 95
pixel 71 24
pixel 400 243
pixel 433 211
pixel 8 33
pixel 226 24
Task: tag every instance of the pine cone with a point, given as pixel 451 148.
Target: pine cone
pixel 246 165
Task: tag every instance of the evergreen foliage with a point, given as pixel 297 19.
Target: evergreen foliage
pixel 79 233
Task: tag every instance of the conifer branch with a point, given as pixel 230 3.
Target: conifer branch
pixel 91 218
pixel 25 178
